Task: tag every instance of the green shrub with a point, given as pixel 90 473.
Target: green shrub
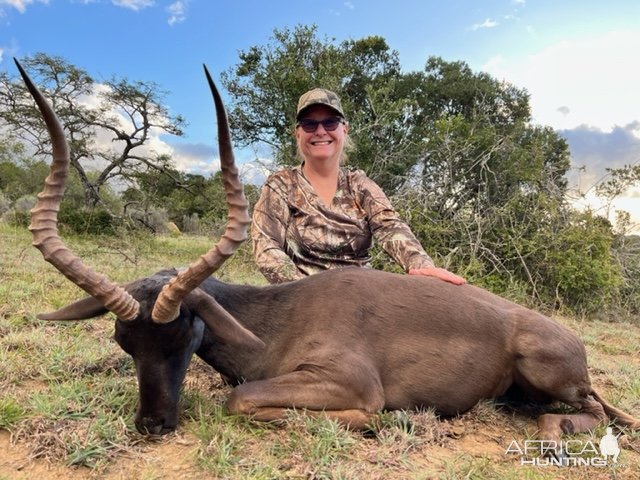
pixel 93 222
pixel 16 218
pixel 5 204
pixel 19 214
pixel 577 266
pixel 626 251
pixel 533 249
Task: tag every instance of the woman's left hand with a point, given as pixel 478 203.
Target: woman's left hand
pixel 440 273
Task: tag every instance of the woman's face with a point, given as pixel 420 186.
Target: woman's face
pixel 321 145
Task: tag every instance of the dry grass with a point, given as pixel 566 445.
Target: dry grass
pixel 68 394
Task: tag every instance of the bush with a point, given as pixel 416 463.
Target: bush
pixel 191 223
pixel 17 219
pixel 20 214
pixel 5 205
pixel 93 222
pixel 626 250
pixel 532 249
pixel 151 219
pixel 11 412
pixel 577 266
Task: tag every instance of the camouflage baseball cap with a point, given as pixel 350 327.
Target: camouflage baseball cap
pixel 319 96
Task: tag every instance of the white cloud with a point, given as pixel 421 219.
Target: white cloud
pixel 598 150
pixel 204 159
pixel 349 5
pixel 20 5
pixel 197 158
pixel 488 23
pixel 494 64
pixel 177 12
pixel 594 78
pixel 135 5
pixel 586 88
pixel 256 171
pixel 8 51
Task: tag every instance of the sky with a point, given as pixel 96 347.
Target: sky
pixel 578 59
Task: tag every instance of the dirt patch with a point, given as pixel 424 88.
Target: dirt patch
pixel 16 464
pixel 172 457
pixel 478 439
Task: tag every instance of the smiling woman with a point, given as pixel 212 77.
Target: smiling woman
pixel 319 215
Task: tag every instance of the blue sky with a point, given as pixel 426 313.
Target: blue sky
pixel 577 58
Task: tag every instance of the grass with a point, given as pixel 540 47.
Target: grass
pixel 68 395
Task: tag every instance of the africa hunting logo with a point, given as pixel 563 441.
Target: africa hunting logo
pixel 567 452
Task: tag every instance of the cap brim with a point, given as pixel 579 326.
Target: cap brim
pixel 303 110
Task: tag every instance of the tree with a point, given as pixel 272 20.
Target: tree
pixel 626 246
pixel 404 125
pixel 480 147
pixel 481 186
pixel 108 125
pixel 618 182
pixel 184 197
pixel 366 74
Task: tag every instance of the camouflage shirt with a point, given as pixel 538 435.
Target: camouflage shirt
pixel 296 234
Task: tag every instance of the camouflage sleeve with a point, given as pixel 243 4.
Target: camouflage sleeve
pixel 268 230
pixel 393 234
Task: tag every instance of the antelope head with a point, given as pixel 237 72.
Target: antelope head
pixel 160 319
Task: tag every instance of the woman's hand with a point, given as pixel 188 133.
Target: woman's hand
pixel 440 273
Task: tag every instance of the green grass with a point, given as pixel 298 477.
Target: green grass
pixel 68 395
pixel 11 412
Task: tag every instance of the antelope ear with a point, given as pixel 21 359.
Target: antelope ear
pixel 81 310
pixel 221 323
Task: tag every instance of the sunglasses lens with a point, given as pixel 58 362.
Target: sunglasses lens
pixel 330 124
pixel 310 126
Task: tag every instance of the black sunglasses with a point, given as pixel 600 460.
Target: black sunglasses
pixel 329 124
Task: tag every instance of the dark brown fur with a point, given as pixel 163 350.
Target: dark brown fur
pixel 344 343
pixel 349 343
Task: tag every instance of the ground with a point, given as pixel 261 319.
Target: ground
pixel 68 395
pixel 411 446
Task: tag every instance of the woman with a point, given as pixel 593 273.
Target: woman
pixel 319 215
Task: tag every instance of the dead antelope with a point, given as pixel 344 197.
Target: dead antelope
pixel 346 343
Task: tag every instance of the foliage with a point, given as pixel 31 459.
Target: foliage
pixel 619 181
pixel 533 249
pixel 626 249
pixel 196 204
pixel 11 412
pixel 96 221
pixel 267 82
pixel 19 174
pixel 577 265
pixel 19 214
pixel 4 203
pixel 626 246
pixel 483 188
